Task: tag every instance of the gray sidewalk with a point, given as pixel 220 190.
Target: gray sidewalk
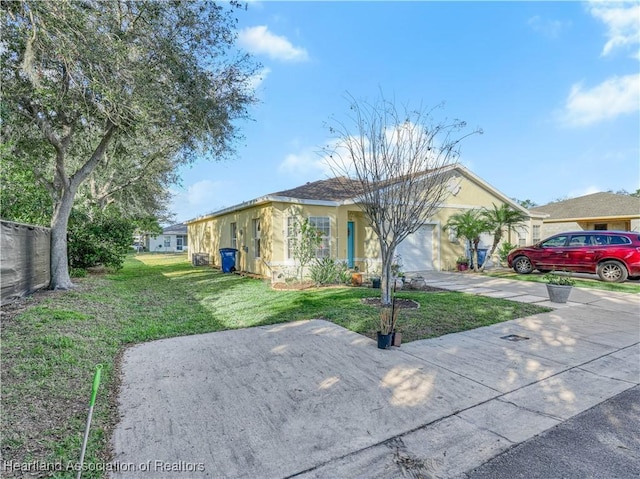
pixel 313 400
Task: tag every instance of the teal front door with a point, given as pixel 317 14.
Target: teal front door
pixel 350 243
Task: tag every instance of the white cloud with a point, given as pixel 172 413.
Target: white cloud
pixel 259 40
pixel 307 163
pixel 623 27
pixel 548 28
pixel 256 80
pixel 614 97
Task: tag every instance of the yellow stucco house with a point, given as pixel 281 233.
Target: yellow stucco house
pixel 259 229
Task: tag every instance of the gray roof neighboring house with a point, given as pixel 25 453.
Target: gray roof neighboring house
pixel 177 229
pixel 593 206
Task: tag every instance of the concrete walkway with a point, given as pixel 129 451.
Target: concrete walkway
pixel 313 400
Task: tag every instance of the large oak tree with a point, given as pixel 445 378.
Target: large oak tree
pixel 117 89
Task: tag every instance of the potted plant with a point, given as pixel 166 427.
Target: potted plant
pixel 375 278
pixel 558 286
pixel 388 319
pixel 462 263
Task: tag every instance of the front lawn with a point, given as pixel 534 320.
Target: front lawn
pixel 52 342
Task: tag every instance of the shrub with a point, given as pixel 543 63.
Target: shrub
pixel 327 271
pixel 504 250
pixel 98 239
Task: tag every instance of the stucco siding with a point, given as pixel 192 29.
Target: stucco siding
pixel 210 234
pixel 467 196
pixel 214 232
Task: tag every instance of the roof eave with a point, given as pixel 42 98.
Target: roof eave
pixel 593 218
pixel 263 200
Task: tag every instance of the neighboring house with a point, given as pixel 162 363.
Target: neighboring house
pixel 172 240
pixel 598 211
pixel 260 229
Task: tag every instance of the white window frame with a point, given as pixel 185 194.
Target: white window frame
pixel 291 228
pixel 234 235
pixel 322 224
pixel 255 227
pixel 535 234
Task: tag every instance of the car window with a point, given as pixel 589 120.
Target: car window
pixel 555 242
pixel 615 239
pixel 600 240
pixel 579 240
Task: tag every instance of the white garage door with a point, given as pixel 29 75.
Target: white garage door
pixel 416 250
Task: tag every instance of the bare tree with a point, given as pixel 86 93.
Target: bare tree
pixel 401 161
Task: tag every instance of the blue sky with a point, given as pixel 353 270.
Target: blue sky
pixel 555 86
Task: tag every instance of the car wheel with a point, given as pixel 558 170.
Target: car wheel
pixel 522 265
pixel 612 272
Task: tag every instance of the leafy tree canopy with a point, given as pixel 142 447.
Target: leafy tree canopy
pixel 120 92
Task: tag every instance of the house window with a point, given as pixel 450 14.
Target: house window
pixel 167 241
pixel 323 225
pixel 522 238
pixel 234 237
pixel 600 227
pixel 536 233
pixel 291 235
pixel 256 236
pixel 181 242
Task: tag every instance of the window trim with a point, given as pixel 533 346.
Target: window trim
pixel 257 235
pixel 234 234
pixel 324 250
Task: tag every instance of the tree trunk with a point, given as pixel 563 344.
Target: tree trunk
pixel 386 284
pixel 60 278
pixel 496 239
pixel 474 255
pixel 66 188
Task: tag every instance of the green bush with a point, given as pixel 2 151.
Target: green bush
pixel 327 271
pixel 504 249
pixel 99 238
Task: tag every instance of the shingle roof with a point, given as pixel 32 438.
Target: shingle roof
pixel 177 229
pixel 333 189
pixel 596 205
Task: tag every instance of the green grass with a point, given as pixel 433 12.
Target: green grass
pixel 626 287
pixel 50 350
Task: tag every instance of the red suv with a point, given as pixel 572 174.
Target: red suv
pixel 614 255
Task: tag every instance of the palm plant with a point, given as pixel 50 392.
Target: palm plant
pixel 469 225
pixel 499 219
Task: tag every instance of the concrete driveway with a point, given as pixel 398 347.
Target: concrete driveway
pixel 311 399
